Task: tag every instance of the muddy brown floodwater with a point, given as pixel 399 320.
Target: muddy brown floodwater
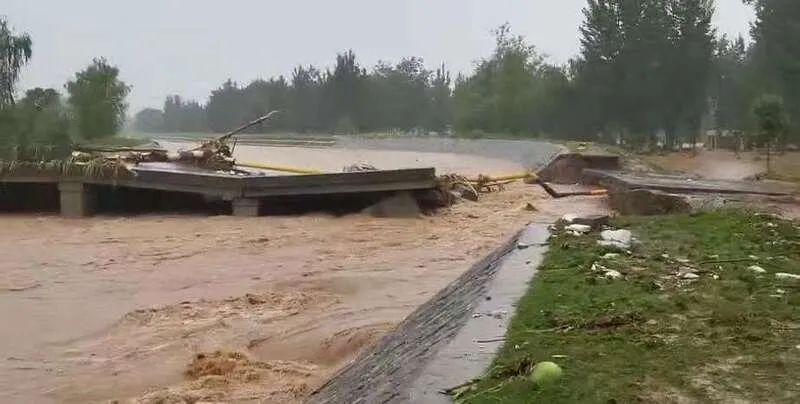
pixel 137 308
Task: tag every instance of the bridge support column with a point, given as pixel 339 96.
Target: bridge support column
pixel 76 198
pixel 246 207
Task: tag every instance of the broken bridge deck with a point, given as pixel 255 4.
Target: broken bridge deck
pixel 682 184
pixel 244 191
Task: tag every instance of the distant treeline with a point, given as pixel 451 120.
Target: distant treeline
pixel 649 71
pixel 347 99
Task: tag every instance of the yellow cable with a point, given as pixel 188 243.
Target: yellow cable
pixel 511 177
pixel 284 169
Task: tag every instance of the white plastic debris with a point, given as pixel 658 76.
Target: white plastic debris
pixel 756 269
pixel 610 256
pixel 690 275
pixel 620 239
pixel 782 275
pixel 569 217
pixel 579 228
pixel 682 260
pixel 612 274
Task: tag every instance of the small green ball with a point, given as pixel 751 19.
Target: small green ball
pixel 545 373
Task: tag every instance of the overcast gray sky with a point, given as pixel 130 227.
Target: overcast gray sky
pixel 190 47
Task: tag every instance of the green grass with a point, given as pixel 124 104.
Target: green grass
pixel 654 337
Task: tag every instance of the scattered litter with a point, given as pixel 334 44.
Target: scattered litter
pixel 612 274
pixel 665 256
pixel 569 217
pixel 753 257
pixel 498 314
pixel 359 168
pixel 597 267
pixel 559 356
pixel 782 275
pixel 490 340
pixel 690 275
pixel 595 221
pixel 610 256
pixel 757 269
pixel 780 291
pixel 682 260
pixel 772 225
pixel 578 228
pixel 620 239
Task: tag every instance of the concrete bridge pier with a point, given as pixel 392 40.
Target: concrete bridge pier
pixel 246 207
pixel 77 199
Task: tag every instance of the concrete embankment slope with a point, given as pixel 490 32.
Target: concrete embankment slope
pixel 451 339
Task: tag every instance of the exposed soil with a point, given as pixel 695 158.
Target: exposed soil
pixel 186 308
pixel 726 165
pixel 718 164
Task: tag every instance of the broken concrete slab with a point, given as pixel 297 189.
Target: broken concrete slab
pixel 646 202
pixel 620 239
pixel 568 168
pixel 623 180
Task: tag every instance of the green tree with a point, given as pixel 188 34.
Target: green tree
pixel 225 108
pixel 645 66
pixel 440 113
pixel 306 94
pixel 15 52
pixel 149 120
pixel 262 96
pixel 691 67
pixel 183 115
pixel 97 97
pixel 514 91
pixel 37 127
pixel 344 100
pixel 771 121
pixel 731 87
pixel 777 53
pixel 399 95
